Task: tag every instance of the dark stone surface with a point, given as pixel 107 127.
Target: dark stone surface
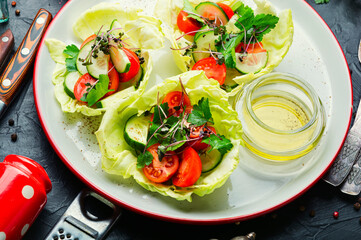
pixel 290 222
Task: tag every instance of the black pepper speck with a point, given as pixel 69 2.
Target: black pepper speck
pixel 11 122
pixel 14 137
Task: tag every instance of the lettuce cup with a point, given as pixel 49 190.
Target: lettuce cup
pixel 131 132
pixel 232 42
pixel 112 63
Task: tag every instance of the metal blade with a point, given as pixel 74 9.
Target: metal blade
pixel 348 154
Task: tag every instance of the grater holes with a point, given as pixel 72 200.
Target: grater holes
pixel 62 236
pixel 55 237
pixel 61 230
pixel 68 235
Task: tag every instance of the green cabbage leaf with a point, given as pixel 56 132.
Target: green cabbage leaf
pixel 120 159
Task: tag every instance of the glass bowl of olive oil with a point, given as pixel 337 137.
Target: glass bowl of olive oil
pixel 282 116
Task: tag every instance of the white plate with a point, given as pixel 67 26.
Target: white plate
pixel 254 188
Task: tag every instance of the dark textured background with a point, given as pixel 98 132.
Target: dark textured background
pixel 289 222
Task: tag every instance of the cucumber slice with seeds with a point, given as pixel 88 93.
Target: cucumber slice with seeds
pixel 210 160
pixel 212 9
pixel 99 65
pixel 251 62
pixel 205 42
pixel 70 79
pixel 136 131
pixel 83 53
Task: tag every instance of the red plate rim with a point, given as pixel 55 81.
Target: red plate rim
pixel 161 216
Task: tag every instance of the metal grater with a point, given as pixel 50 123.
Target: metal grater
pixel 78 223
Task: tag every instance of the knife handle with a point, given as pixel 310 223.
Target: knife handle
pixel 15 72
pixel 6 45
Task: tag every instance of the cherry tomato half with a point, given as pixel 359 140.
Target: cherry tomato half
pixel 187 24
pixel 252 48
pixel 174 99
pixel 134 66
pixel 161 171
pixel 88 40
pixel 212 69
pixel 227 9
pixel 113 79
pixel 189 170
pixel 196 132
pixel 80 88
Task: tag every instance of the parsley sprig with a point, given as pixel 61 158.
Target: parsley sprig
pixel 72 52
pixel 96 91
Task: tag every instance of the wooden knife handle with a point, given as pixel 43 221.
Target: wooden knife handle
pixel 6 45
pixel 15 72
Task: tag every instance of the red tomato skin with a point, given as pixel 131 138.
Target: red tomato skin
pixel 198 145
pixel 161 171
pixel 92 37
pixel 252 48
pixel 113 79
pixel 186 24
pixel 190 169
pixel 80 88
pixel 212 69
pixel 174 99
pixel 227 9
pixel 134 66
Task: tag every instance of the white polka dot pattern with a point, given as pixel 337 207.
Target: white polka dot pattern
pixel 25 228
pixel 2 236
pixel 28 192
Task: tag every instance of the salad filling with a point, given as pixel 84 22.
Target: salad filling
pixel 229 40
pixel 174 139
pixel 177 141
pixel 112 64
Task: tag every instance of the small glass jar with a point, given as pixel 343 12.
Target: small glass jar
pixel 4 11
pixel 282 116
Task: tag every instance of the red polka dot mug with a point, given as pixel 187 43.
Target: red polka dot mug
pixel 23 188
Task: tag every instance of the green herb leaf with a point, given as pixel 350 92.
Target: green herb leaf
pixel 143 159
pixel 231 41
pixel 70 62
pixel 246 16
pixel 99 90
pixel 264 23
pixel 158 113
pixel 187 6
pixel 221 143
pixel 201 113
pixel 256 26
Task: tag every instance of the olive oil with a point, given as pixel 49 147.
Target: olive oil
pixel 279 113
pixel 282 117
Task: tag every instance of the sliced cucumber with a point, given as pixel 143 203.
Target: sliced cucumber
pixel 83 53
pixel 251 62
pixel 212 9
pixel 135 81
pixel 120 60
pixel 70 79
pixel 210 160
pixel 100 65
pixel 230 82
pixel 205 41
pixel 136 131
